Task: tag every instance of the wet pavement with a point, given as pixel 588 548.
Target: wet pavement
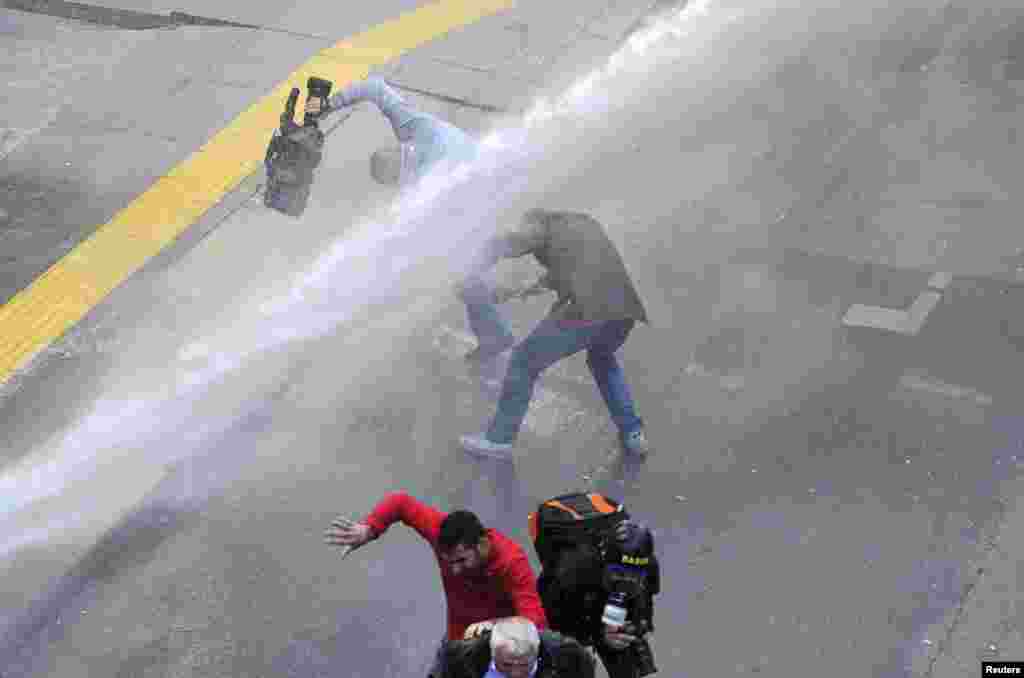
pixel 828 500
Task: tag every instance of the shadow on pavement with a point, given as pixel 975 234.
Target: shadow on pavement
pixel 495 493
pixel 357 645
pixel 170 508
pixel 131 544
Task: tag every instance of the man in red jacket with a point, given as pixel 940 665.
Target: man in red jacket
pixel 486 575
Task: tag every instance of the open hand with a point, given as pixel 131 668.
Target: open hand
pixel 347 533
pixel 533 290
pixel 503 293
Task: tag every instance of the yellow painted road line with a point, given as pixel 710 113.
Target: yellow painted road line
pixel 60 297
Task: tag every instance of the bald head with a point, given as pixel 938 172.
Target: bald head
pixel 386 165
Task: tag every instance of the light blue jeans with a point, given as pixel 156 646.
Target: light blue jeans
pixel 548 343
pixel 426 140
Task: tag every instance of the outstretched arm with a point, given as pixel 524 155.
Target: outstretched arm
pixel 402 507
pixel 378 92
pixel 395 507
pixel 348 534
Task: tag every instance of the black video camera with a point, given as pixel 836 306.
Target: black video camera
pixel 295 151
pixel 631 577
pixel 318 92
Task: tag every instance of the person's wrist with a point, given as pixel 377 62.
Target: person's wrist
pixel 503 293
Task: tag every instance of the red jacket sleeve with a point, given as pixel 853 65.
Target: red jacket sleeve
pixel 399 506
pixel 521 584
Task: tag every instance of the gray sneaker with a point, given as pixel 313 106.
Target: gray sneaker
pixel 636 443
pixel 478 445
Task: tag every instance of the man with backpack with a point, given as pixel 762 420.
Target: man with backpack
pixel 599 578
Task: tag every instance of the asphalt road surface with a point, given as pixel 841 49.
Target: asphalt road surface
pixel 820 493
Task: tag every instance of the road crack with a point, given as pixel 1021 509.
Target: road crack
pixel 135 20
pixel 990 544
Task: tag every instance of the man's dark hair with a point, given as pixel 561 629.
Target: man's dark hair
pixel 460 528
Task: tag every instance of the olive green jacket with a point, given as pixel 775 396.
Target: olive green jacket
pixel 583 265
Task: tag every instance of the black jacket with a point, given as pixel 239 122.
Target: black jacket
pixel 560 657
pixel 574 596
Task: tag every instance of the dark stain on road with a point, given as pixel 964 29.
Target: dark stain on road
pixel 29 241
pixel 131 544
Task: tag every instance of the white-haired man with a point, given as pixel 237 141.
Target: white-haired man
pixel 514 648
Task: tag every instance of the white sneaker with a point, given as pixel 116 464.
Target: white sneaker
pixel 480 446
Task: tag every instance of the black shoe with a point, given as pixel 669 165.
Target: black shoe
pixel 487 352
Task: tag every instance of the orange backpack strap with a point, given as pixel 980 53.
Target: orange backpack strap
pixel 558 504
pixel 602 504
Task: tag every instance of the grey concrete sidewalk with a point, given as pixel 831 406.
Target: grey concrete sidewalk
pixel 97 114
pixel 86 98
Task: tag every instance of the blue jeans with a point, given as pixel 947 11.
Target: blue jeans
pixel 484 318
pixel 433 141
pixel 430 138
pixel 547 344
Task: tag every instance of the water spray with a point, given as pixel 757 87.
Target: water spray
pixel 329 294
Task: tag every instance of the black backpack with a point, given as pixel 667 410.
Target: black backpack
pixel 571 519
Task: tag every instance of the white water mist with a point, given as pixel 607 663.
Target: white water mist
pixel 431 222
